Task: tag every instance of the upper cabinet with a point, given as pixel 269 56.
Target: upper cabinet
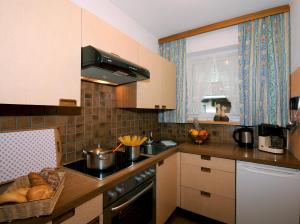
pixel 103 36
pixel 158 92
pixel 40 52
pixel 168 84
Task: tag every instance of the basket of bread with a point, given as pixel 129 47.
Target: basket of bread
pixel 198 136
pixel 33 195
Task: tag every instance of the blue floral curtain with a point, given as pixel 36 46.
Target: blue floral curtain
pixel 175 52
pixel 264 70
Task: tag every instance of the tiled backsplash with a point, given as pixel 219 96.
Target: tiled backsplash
pixel 100 122
pixel 179 132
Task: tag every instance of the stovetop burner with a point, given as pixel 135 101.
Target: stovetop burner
pixel 121 162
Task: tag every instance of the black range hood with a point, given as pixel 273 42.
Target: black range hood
pixel 102 67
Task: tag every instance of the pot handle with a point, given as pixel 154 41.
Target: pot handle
pixel 234 136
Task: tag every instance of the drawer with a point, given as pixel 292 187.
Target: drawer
pixel 208 161
pixel 86 212
pixel 211 180
pixel 211 205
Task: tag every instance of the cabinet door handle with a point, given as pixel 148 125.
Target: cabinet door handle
pixel 164 107
pixel 161 163
pixel 156 106
pixel 205 157
pixel 205 169
pixel 67 102
pixel 205 194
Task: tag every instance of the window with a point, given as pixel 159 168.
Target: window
pixel 212 79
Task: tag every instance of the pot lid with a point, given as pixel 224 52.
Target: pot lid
pixel 99 151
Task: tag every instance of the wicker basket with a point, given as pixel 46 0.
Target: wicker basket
pixel 33 208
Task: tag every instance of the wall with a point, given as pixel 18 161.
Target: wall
pixel 212 40
pixel 111 14
pixel 295 34
pixel 100 122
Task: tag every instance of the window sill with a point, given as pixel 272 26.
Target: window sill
pixel 231 123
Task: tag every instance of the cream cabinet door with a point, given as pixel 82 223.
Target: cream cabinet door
pixel 168 84
pixel 40 52
pixel 87 211
pixel 101 35
pixel 166 188
pixel 149 91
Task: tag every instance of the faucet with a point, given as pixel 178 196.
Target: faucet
pixel 150 139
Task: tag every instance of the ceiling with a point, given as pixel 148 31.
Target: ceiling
pixel 166 17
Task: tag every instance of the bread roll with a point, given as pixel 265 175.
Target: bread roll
pixel 36 179
pixel 18 195
pixel 39 192
pixel 21 190
pixel 51 176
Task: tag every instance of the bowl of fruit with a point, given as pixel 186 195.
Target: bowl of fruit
pixel 198 136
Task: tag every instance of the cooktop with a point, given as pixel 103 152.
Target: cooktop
pixel 121 162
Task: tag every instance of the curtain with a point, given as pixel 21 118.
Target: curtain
pixel 264 70
pixel 175 52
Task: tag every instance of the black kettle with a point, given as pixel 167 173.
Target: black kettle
pixel 244 137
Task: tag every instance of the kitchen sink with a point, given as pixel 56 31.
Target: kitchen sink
pixel 154 149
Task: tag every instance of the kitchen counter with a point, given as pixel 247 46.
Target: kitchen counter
pixel 234 152
pixel 80 188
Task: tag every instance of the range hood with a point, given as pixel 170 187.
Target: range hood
pixel 102 67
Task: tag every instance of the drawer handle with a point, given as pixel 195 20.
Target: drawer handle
pixel 205 157
pixel 205 169
pixel 205 194
pixel 164 107
pixel 156 106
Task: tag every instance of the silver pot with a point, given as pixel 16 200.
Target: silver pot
pixel 133 152
pixel 99 158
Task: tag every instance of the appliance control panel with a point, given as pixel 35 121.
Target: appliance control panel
pixel 117 191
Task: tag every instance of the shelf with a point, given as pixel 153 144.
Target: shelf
pixel 230 123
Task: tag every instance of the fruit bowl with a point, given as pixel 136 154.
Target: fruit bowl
pixel 198 136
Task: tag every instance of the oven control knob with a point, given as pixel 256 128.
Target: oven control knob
pixel 138 179
pixel 120 189
pixel 112 195
pixel 147 173
pixel 152 170
pixel 143 175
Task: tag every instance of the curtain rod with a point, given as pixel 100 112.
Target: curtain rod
pixel 226 23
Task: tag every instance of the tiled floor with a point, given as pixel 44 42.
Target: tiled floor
pixel 181 216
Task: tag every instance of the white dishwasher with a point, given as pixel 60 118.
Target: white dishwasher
pixel 267 194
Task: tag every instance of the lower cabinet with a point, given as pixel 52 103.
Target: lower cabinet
pixel 207 186
pixel 88 212
pixel 166 188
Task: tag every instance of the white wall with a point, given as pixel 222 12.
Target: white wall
pixel 295 34
pixel 214 39
pixel 111 14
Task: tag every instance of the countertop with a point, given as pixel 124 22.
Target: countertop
pixel 233 151
pixel 80 188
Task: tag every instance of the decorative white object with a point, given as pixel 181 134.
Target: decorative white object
pixel 24 151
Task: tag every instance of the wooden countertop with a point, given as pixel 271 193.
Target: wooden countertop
pixel 233 151
pixel 80 188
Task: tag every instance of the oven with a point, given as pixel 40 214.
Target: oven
pixel 132 201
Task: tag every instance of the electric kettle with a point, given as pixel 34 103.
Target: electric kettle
pixel 244 137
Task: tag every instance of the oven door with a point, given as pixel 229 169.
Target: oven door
pixel 136 207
